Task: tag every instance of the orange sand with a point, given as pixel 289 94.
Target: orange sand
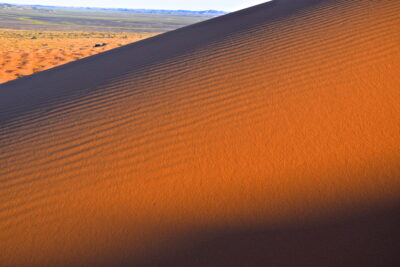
pixel 266 137
pixel 25 52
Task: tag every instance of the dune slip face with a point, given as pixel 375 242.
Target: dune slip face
pixel 265 137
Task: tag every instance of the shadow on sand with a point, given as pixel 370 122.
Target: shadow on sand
pixel 371 239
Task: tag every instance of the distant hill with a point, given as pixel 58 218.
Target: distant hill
pixel 10 6
pixel 149 11
pixel 53 18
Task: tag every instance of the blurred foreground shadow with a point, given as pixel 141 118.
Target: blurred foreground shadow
pixel 370 239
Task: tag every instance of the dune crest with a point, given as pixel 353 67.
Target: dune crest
pixel 284 114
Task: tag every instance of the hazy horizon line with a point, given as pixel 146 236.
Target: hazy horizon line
pixel 116 8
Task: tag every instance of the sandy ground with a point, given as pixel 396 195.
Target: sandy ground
pixel 26 52
pixel 266 137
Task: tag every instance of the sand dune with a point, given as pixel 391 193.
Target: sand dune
pixel 269 136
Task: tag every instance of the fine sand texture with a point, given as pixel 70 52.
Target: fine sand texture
pixel 266 137
pixel 26 52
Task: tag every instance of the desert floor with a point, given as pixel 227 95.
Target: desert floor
pixel 26 52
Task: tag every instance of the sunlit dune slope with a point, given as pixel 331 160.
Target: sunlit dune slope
pixel 281 116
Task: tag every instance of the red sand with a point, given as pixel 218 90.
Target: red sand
pixel 269 136
pixel 26 52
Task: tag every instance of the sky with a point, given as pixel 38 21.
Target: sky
pixel 225 5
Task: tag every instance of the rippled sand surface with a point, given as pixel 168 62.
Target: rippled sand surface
pixel 266 137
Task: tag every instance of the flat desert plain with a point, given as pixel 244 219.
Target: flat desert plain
pixel 26 52
pixel 33 38
pixel 266 137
